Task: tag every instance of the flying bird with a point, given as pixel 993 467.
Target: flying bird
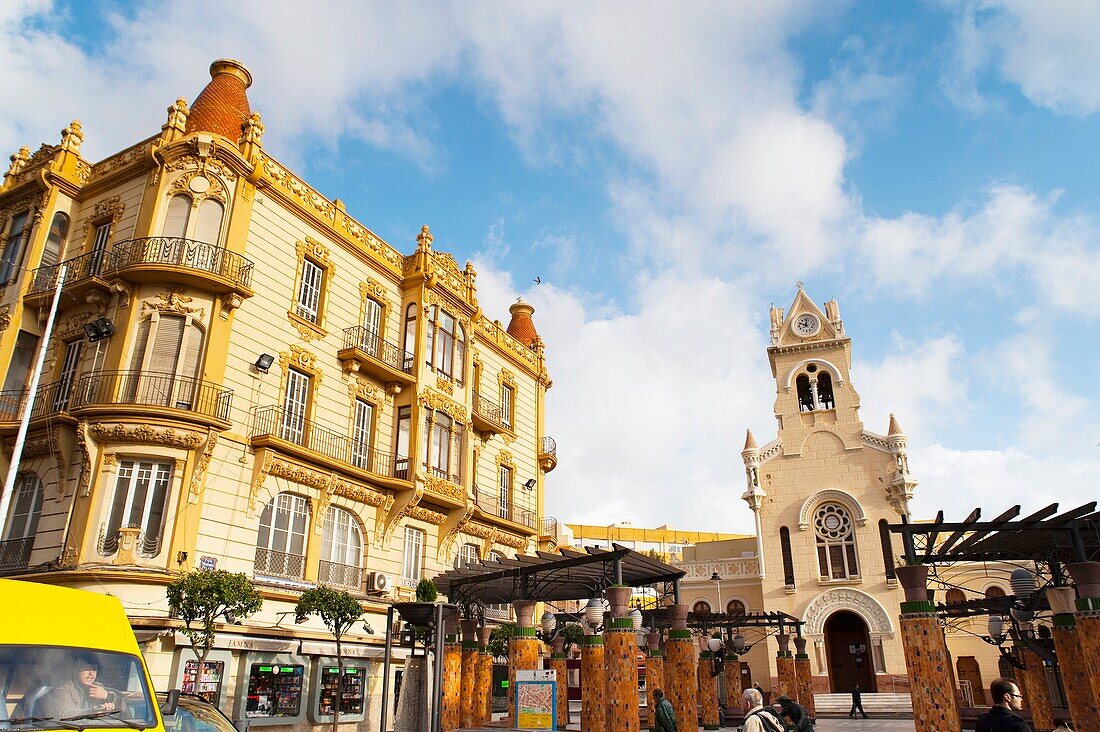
pixel 537 280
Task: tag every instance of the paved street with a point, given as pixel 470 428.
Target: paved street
pixel 885 725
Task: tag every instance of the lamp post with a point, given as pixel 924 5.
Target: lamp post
pixel 717 580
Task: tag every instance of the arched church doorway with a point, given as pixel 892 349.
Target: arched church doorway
pixel 848 653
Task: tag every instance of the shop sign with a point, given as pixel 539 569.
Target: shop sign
pixel 243 643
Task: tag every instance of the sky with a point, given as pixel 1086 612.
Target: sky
pixel 668 171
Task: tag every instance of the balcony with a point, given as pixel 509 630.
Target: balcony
pixel 83 274
pixel 488 416
pixel 15 553
pixel 490 505
pixel 344 576
pixel 10 404
pixel 277 428
pixel 114 392
pixel 181 261
pixel 49 399
pixel 548 454
pixel 364 350
pixel 270 563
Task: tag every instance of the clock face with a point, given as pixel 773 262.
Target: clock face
pixel 805 325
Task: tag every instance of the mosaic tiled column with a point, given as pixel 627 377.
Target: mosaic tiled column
pixel 621 661
pixel 523 649
pixel 483 691
pixel 680 669
pixel 593 687
pixel 469 672
pixel 654 670
pixel 803 677
pixel 453 701
pixel 931 677
pixel 558 664
pixel 708 690
pixel 1033 685
pixel 784 666
pixel 1086 577
pixel 732 669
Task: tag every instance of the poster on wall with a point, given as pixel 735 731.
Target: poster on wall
pixel 536 699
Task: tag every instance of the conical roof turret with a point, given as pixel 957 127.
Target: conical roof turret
pixel 895 428
pixel 222 106
pixel 750 441
pixel 522 327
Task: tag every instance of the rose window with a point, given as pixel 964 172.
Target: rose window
pixel 836 548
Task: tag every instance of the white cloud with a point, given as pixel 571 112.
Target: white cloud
pixel 1048 49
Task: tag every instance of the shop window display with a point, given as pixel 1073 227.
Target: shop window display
pixel 351 700
pixel 274 691
pixel 206 683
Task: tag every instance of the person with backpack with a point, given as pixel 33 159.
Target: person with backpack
pixel 759 718
pixel 799 716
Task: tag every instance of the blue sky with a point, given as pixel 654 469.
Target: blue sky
pixel 668 171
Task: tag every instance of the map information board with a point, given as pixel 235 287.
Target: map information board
pixel 536 699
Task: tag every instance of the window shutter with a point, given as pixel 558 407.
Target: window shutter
pixel 360 434
pixel 209 225
pixel 175 219
pixel 137 358
pixel 166 347
pixel 68 374
pixel 189 373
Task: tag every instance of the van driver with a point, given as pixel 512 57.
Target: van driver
pixel 82 693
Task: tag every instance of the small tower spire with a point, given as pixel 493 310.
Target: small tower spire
pixel 750 441
pixel 895 428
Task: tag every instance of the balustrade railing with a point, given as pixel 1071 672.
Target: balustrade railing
pixel 15 553
pixel 287 425
pixel 44 278
pixel 340 575
pixel 10 403
pixel 376 347
pixel 151 388
pixel 488 409
pixel 491 504
pixel 176 251
pixel 271 563
pixel 547 446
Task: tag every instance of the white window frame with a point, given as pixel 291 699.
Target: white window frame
pixel 28 510
pixel 307 305
pixel 362 428
pixel 846 543
pixel 70 365
pixel 468 554
pixel 295 406
pixel 505 494
pixel 412 558
pixel 157 474
pixel 341 538
pixel 296 508
pixel 507 405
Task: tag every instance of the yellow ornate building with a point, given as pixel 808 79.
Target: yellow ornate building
pixel 241 375
pixel 822 493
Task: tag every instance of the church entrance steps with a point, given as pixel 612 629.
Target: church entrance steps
pixel 876 705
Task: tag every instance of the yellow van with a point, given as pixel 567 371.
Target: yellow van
pixel 69 661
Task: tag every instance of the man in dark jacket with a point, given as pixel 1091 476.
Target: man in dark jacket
pixel 1002 716
pixel 799 716
pixel 857 703
pixel 664 717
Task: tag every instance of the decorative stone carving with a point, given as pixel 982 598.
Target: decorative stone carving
pixel 447 541
pixel 427 515
pixel 374 289
pixel 453 409
pixel 846 598
pixel 361 389
pixel 84 444
pixel 5 317
pixel 146 434
pixel 203 463
pixel 301 359
pixel 125 158
pixel 173 301
pixel 211 164
pixel 199 186
pixel 109 458
pixel 445 385
pixel 442 487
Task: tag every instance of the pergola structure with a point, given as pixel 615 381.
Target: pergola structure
pixel 1049 546
pixel 609 680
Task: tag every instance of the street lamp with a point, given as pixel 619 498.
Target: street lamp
pixel 718 584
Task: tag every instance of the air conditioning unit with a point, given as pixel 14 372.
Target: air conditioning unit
pixel 378 581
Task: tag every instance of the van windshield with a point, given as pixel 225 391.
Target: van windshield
pixel 47 687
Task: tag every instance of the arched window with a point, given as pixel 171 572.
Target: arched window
pixel 446 347
pixel 281 538
pixel 410 335
pixel 825 391
pixel 442 445
pixel 341 539
pixel 955 596
pixel 140 500
pixel 208 224
pixel 836 546
pixel 701 608
pixel 788 557
pixel 994 591
pixel 887 548
pixel 55 241
pixel 805 395
pixel 735 608
pixel 164 365
pixel 177 216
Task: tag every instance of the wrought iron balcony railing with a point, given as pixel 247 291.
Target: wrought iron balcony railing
pixel 153 389
pixel 340 575
pixel 179 252
pixel 286 425
pixel 547 446
pixel 491 504
pixel 488 410
pixel 11 402
pixel 376 347
pixel 271 563
pixel 15 553
pixel 87 265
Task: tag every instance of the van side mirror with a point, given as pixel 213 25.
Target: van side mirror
pixel 171 701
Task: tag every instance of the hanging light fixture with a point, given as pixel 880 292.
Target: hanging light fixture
pixel 715 644
pixel 1023 584
pixel 593 612
pixel 636 618
pixel 996 626
pixel 739 643
pixel 549 622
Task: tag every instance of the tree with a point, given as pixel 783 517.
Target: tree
pixel 338 611
pixel 573 635
pixel 200 598
pixel 498 639
pixel 426 591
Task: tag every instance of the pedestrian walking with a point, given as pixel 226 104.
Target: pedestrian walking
pixel 664 716
pixel 857 703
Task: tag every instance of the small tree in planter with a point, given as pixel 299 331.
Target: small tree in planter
pixel 498 639
pixel 426 591
pixel 338 611
pixel 199 598
pixel 573 635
